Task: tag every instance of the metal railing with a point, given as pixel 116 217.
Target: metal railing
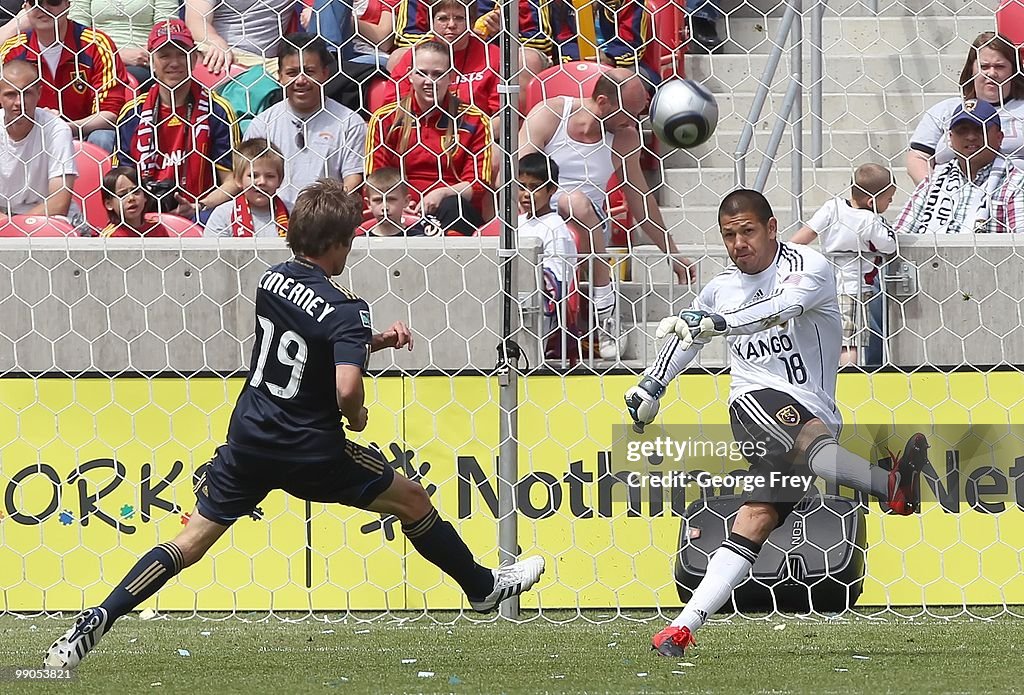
pixel 791 29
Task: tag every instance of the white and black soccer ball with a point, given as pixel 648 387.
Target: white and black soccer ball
pixel 683 113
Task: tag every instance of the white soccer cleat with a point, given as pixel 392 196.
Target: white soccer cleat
pixel 68 651
pixel 510 581
pixel 609 334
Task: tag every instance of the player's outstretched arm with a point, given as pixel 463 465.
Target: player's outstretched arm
pixel 398 336
pixel 349 384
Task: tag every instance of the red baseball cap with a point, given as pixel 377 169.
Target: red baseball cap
pixel 170 31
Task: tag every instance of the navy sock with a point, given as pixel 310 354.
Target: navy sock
pixel 438 541
pixel 147 576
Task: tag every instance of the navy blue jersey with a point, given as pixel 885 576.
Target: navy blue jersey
pixel 305 326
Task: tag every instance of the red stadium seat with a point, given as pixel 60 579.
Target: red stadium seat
pixel 34 226
pixel 211 81
pixel 571 79
pixel 1010 21
pixel 665 54
pixel 492 228
pixel 92 163
pixel 180 226
pixel 376 94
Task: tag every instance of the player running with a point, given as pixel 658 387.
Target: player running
pixel 778 308
pixel 312 348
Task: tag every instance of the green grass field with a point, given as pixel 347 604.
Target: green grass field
pixel 778 655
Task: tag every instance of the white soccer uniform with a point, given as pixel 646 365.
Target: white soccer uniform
pixel 785 331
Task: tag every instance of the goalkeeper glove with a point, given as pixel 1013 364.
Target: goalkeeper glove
pixel 690 325
pixel 643 402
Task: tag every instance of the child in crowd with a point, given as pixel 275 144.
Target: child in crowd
pixel 853 235
pixel 538 181
pixel 388 197
pixel 129 207
pixel 257 210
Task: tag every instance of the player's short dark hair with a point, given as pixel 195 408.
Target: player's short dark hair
pixel 301 42
pixel 539 166
pixel 746 200
pixel 325 215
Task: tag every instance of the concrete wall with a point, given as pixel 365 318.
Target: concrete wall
pixel 118 305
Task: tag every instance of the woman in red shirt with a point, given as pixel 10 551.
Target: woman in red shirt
pixel 474 61
pixel 441 145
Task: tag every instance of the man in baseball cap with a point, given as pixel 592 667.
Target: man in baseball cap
pixel 976 191
pixel 179 134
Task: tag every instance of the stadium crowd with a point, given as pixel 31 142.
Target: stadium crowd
pixel 216 118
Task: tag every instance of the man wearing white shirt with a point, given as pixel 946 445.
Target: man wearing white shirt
pixel 37 157
pixel 319 137
pixel 977 191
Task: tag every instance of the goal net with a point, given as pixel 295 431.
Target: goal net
pixel 121 359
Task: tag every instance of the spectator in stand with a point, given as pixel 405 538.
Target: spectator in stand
pixel 257 210
pixel 127 24
pixel 239 32
pixel 474 61
pixel 976 191
pixel 852 234
pixel 537 182
pixel 128 206
pixel 441 145
pixel 388 198
pixel 362 44
pixel 991 73
pixel 591 139
pixel 319 137
pixel 83 78
pixel 178 134
pixel 37 158
pixel 623 30
pixel 413 23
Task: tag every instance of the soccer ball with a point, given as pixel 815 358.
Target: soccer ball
pixel 683 113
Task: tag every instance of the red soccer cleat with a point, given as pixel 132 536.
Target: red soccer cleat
pixel 905 477
pixel 672 641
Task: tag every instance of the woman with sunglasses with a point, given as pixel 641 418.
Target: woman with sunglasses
pixel 441 145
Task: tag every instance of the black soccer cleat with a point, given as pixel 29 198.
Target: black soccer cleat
pixel 905 477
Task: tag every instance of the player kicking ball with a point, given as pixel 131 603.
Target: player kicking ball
pixel 312 348
pixel 779 311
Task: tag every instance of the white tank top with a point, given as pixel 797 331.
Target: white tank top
pixel 583 166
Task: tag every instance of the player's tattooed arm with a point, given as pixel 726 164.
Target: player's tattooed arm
pixel 398 336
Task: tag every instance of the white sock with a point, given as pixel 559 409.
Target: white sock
pixel 603 297
pixel 835 464
pixel 727 569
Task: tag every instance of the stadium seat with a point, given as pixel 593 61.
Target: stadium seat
pixel 376 94
pixel 571 79
pixel 665 55
pixel 1010 21
pixel 92 163
pixel 180 226
pixel 211 81
pixel 492 228
pixel 35 226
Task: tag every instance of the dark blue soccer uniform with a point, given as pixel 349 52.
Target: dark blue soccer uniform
pixel 286 430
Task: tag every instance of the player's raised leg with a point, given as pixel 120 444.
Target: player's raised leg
pixel 148 575
pixel 437 540
pixel 898 488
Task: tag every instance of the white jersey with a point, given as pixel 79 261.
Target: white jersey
pixel 785 331
pixel 852 237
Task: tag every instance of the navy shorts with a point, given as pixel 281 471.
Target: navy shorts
pixel 767 423
pixel 235 482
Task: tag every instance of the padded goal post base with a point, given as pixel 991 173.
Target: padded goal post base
pixel 815 561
